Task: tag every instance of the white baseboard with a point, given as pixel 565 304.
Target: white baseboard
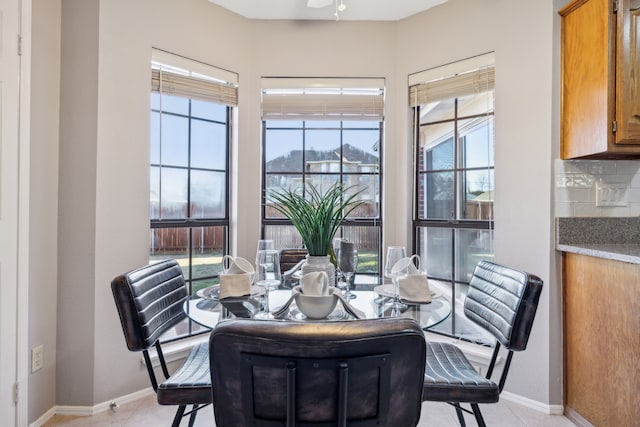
pixel 104 406
pixel 533 404
pixel 44 418
pixel 85 411
pixel 173 351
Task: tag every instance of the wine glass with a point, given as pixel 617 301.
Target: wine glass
pixel 348 264
pixel 264 245
pixel 267 273
pixel 336 251
pixel 395 254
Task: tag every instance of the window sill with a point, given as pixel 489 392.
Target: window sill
pixel 176 350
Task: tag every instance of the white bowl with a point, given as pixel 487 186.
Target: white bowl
pixel 316 306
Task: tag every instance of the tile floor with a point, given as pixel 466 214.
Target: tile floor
pixel 147 413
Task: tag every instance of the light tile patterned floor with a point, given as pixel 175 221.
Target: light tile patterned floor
pixel 147 413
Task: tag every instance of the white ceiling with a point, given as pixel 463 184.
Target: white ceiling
pixel 356 10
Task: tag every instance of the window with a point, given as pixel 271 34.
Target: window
pixel 454 172
pixel 319 132
pixel 191 124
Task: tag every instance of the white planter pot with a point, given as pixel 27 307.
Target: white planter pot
pixel 320 263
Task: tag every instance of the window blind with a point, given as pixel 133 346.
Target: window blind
pixel 322 99
pixel 453 80
pixel 174 75
pixel 456 86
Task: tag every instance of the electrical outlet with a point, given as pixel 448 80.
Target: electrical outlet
pixel 37 358
pixel 612 195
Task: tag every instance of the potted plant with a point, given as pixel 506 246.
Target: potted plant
pixel 317 216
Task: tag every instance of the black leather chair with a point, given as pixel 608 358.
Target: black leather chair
pixel 149 302
pixel 355 373
pixel 503 301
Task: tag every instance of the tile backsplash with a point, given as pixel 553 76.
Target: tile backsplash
pixel 583 187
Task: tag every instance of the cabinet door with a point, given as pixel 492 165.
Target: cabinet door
pixel 587 78
pixel 628 73
pixel 601 340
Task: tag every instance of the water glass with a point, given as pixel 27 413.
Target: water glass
pixel 268 272
pixel 395 254
pixel 264 245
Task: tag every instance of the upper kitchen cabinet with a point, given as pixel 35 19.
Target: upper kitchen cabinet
pixel 600 79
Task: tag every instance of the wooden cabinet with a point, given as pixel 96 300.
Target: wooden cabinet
pixel 600 104
pixel 601 341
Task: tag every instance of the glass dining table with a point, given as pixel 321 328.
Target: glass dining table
pixel 207 310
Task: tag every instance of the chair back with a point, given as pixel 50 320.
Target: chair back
pixel 356 373
pixel 503 301
pixel 289 257
pixel 149 301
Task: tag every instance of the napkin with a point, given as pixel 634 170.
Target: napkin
pixel 345 255
pixel 406 265
pixel 315 283
pixel 235 285
pixel 236 265
pixel 415 288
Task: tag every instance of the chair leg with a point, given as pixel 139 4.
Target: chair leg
pixel 178 417
pixel 478 415
pixel 459 414
pixel 192 416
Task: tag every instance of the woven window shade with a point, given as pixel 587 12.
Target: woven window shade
pixel 323 99
pixel 456 86
pixel 193 87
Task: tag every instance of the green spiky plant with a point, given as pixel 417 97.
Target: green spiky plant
pixel 315 214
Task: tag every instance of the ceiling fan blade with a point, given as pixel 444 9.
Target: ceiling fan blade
pixel 319 3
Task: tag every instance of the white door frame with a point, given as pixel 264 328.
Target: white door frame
pixel 14 209
pixel 24 216
pixel 9 184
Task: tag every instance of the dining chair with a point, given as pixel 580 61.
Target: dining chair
pixel 356 373
pixel 503 301
pixel 290 262
pixel 149 302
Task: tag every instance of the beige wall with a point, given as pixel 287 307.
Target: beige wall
pixel 43 271
pixel 520 33
pixel 318 49
pixel 105 133
pixel 76 203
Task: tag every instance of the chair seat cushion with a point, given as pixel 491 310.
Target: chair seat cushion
pixel 450 377
pixel 191 383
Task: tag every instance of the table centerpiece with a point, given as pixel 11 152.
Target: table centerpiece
pixel 317 215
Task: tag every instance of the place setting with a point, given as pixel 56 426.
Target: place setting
pixel 313 299
pixel 409 293
pixel 236 291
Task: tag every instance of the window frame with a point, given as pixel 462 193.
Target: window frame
pixel 421 223
pixel 218 224
pixel 364 278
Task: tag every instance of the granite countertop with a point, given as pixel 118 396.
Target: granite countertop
pixel 610 238
pixel 625 253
